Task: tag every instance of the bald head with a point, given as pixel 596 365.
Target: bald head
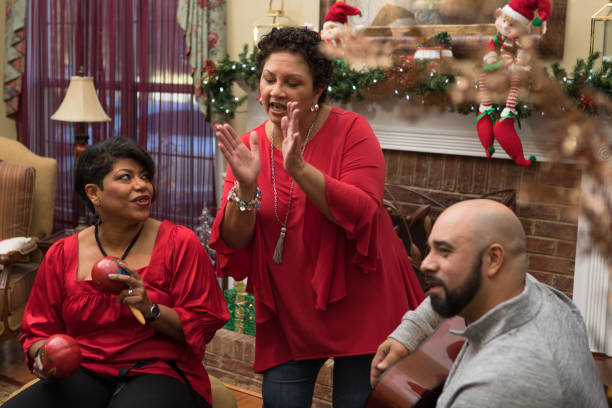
pixel 485 222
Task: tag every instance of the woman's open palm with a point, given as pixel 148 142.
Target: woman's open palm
pixel 245 163
pixel 290 128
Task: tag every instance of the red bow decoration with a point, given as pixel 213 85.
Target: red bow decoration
pixel 209 66
pixel 588 102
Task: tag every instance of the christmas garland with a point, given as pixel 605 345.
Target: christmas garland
pixel 583 79
pixel 426 80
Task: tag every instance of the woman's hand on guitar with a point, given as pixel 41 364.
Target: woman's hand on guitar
pixel 388 353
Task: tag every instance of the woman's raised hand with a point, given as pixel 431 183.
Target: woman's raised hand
pixel 245 163
pixel 290 127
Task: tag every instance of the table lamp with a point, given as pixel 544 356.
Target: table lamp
pixel 81 105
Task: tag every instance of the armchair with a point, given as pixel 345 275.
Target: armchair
pixel 27 199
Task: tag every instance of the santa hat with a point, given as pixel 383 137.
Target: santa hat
pixel 338 14
pixel 523 11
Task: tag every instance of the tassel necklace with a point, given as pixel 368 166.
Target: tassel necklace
pixel 278 250
pixel 127 250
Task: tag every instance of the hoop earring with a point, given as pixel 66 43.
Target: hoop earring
pixel 260 99
pixel 314 108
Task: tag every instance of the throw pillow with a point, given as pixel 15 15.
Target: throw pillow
pixel 16 195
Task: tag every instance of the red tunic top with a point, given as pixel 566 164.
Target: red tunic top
pixel 340 289
pixel 179 276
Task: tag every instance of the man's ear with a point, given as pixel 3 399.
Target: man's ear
pixel 494 259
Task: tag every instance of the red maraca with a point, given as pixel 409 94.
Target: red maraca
pixel 60 355
pixel 99 275
pixel 104 267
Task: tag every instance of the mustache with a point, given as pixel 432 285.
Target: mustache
pixel 433 281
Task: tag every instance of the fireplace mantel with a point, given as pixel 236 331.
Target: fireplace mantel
pixel 434 132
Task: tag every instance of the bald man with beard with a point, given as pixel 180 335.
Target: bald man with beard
pixel 526 343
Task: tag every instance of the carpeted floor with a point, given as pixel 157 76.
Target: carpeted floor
pixel 7 387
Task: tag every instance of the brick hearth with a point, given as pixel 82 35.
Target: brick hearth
pixel 229 357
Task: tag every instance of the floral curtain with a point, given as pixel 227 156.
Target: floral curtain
pixel 204 23
pixel 14 53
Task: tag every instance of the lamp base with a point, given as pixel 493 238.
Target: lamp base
pixel 82 222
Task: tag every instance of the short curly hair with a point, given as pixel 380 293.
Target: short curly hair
pixel 98 160
pixel 301 41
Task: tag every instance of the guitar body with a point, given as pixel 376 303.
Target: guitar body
pixel 417 379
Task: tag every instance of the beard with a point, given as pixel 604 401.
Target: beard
pixel 454 301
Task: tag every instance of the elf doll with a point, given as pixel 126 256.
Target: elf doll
pixel 335 24
pixel 505 51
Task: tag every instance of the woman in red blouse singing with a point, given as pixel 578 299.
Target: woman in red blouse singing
pixel 171 282
pixel 302 219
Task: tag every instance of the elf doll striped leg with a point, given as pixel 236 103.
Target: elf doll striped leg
pixel 485 119
pixel 504 130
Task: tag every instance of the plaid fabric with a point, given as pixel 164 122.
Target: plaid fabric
pixel 16 195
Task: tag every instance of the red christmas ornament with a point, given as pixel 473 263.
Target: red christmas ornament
pixel 588 102
pixel 60 355
pixel 101 270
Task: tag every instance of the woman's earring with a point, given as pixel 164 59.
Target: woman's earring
pixel 314 108
pixel 260 99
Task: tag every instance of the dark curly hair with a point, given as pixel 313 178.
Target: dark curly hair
pixel 301 41
pixel 98 160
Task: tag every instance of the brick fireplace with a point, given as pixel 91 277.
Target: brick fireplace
pixel 439 155
pixel 545 201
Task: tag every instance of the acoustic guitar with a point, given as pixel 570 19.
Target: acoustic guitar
pixel 417 379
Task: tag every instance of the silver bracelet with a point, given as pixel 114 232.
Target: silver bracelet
pixel 245 205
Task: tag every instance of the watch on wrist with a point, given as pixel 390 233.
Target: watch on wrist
pixel 154 313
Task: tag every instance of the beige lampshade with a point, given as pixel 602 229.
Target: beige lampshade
pixel 81 103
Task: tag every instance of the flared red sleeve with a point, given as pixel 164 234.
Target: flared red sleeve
pixel 42 316
pixel 354 185
pixel 355 196
pixel 230 261
pixel 197 297
pixel 246 262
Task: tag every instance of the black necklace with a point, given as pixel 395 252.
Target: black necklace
pixel 127 250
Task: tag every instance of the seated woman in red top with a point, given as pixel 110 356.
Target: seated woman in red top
pixel 171 281
pixel 302 218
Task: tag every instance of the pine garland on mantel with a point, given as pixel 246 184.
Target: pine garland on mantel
pixel 425 80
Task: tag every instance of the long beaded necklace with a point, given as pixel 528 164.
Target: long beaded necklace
pixel 278 250
pixel 127 250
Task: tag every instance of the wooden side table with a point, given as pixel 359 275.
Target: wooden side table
pixel 45 243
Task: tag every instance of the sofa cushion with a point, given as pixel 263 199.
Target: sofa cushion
pixel 17 187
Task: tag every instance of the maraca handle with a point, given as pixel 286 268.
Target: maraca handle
pixel 137 314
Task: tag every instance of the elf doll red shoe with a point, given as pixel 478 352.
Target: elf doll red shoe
pixel 484 126
pixel 508 139
pixel 505 51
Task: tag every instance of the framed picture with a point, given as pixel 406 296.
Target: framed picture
pixel 405 23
